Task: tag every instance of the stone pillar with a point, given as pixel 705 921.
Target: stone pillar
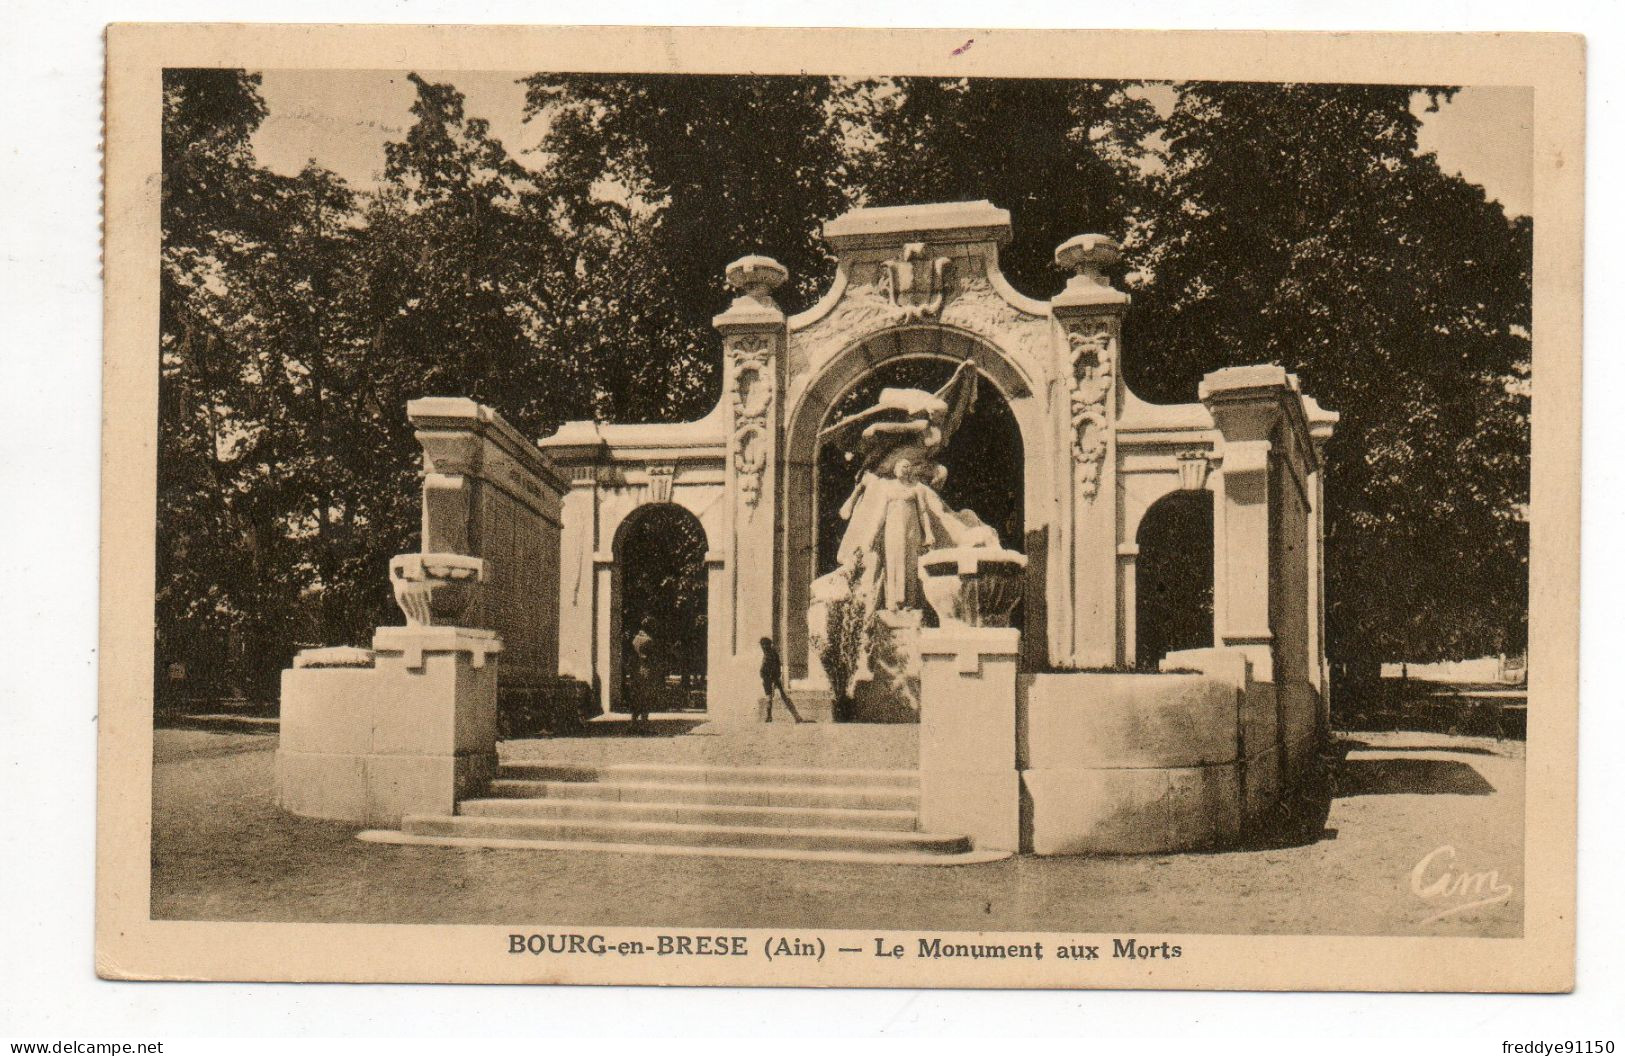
pixel 576 580
pixel 718 617
pixel 970 778
pixel 1128 554
pixel 489 492
pixel 607 628
pixel 1090 316
pixel 1321 425
pixel 1246 404
pixel 754 337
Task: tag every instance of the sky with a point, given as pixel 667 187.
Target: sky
pixel 343 118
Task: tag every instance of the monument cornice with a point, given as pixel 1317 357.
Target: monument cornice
pixel 442 417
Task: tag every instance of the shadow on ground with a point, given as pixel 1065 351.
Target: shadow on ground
pixel 1415 777
pixel 252 724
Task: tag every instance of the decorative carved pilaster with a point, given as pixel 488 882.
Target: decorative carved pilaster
pixel 750 356
pixel 1092 357
pixel 1090 311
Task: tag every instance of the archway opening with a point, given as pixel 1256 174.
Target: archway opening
pixel 1174 577
pixel 983 458
pixel 661 634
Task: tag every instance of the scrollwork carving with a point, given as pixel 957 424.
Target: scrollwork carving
pixel 977 307
pixel 750 461
pixel 1092 356
pixel 753 392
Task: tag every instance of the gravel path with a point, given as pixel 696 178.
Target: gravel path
pixel 221 851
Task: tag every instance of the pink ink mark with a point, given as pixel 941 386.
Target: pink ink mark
pixel 963 47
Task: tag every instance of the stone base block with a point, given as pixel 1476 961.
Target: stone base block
pixel 398 785
pixel 1261 785
pixel 813 704
pixel 1141 811
pixel 1258 718
pixel 411 732
pixel 328 710
pixel 330 787
pixel 378 789
pixel 734 699
pixel 1300 756
pixel 890 692
pixel 1089 720
pixel 984 806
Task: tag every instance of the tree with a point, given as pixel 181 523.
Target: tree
pixel 214 203
pixel 674 178
pixel 1287 222
pixel 1298 224
pixel 1065 157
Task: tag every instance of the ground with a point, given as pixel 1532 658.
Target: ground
pixel 221 851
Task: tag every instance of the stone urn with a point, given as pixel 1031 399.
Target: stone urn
pixel 433 590
pixel 972 586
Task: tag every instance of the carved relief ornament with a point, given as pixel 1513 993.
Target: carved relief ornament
pixel 915 284
pixel 753 390
pixel 1091 348
pixel 661 478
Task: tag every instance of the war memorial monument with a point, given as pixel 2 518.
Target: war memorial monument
pixel 1053 717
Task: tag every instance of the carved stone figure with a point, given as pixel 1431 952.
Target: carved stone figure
pixel 895 514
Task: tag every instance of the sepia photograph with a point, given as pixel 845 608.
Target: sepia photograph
pixel 870 522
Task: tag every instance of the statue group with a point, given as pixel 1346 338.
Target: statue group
pixel 894 516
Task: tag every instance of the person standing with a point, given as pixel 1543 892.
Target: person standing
pixel 643 674
pixel 773 680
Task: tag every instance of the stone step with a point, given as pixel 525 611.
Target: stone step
pixel 704 774
pixel 866 857
pixel 678 835
pixel 694 813
pixel 849 796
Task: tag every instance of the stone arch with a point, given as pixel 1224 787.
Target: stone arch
pixel 640 565
pixel 838 376
pixel 1173 581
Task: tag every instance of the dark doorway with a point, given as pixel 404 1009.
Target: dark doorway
pixel 1174 577
pixel 983 459
pixel 661 554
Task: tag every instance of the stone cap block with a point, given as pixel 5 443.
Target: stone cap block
pixel 414 642
pixel 334 656
pixel 755 277
pixel 1242 380
pixel 969 645
pixel 453 416
pixel 1228 665
pixel 978 221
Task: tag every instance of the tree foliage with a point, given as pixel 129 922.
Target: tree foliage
pixel 1297 224
pixel 1293 223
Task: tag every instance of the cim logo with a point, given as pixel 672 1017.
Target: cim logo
pixel 1436 881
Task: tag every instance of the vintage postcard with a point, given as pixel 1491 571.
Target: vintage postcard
pixel 841 508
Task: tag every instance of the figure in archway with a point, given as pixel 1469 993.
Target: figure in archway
pixel 894 513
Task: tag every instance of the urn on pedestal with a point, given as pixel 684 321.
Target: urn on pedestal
pixel 433 590
pixel 972 586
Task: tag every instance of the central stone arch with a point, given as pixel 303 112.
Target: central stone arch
pixel 809 413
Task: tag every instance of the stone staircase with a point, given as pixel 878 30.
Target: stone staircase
pixel 797 813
